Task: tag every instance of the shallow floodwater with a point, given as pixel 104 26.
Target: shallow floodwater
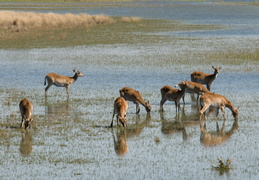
pixel 70 138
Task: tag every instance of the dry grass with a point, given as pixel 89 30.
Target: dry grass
pixel 17 21
pixel 130 19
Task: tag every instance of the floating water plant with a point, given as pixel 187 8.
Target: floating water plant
pixel 221 166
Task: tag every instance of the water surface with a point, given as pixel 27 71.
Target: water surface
pixel 70 139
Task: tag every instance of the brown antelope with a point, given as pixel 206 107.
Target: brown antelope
pixel 213 138
pixel 204 78
pixel 163 91
pixel 130 94
pixel 193 87
pixel 61 81
pixel 120 108
pixel 217 101
pixel 26 109
pixel 171 94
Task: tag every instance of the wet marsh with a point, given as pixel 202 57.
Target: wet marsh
pixel 71 139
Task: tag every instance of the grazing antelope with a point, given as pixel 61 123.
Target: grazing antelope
pixel 193 87
pixel 61 81
pixel 213 138
pixel 204 78
pixel 120 108
pixel 26 109
pixel 130 94
pixel 171 94
pixel 217 101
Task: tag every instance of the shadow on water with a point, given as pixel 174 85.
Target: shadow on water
pixel 26 143
pixel 220 136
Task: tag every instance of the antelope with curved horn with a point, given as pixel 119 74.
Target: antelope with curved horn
pixel 26 109
pixel 204 78
pixel 61 81
pixel 171 94
pixel 193 87
pixel 130 94
pixel 217 101
pixel 120 108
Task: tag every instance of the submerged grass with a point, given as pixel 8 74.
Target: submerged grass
pixel 223 167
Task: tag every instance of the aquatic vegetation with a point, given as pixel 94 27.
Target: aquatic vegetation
pixel 223 166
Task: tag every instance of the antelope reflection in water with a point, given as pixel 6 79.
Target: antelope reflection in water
pixel 132 130
pixel 120 144
pixel 220 136
pixel 26 143
pixel 181 121
pixel 58 110
pixel 171 127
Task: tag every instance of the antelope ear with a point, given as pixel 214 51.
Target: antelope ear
pixel 238 108
pixel 121 92
pixel 213 67
pixel 147 103
pixel 31 119
pixel 74 70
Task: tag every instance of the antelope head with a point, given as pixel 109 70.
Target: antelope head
pixel 148 106
pixel 216 70
pixel 235 113
pixel 122 120
pixel 79 74
pixel 27 123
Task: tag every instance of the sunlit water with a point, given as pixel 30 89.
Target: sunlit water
pixel 70 139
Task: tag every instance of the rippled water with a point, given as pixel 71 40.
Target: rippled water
pixel 69 139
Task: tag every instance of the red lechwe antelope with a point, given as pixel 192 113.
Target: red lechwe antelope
pixel 61 81
pixel 204 78
pixel 26 109
pixel 193 87
pixel 130 94
pixel 171 94
pixel 217 101
pixel 120 108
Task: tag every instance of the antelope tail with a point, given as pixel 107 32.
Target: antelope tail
pixel 45 80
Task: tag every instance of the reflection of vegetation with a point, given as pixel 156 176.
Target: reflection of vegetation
pixel 221 166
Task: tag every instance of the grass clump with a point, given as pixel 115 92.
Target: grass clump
pixel 17 21
pixel 221 166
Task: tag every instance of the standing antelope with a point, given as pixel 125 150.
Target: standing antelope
pixel 204 78
pixel 130 94
pixel 217 101
pixel 171 94
pixel 120 108
pixel 26 109
pixel 61 81
pixel 193 87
